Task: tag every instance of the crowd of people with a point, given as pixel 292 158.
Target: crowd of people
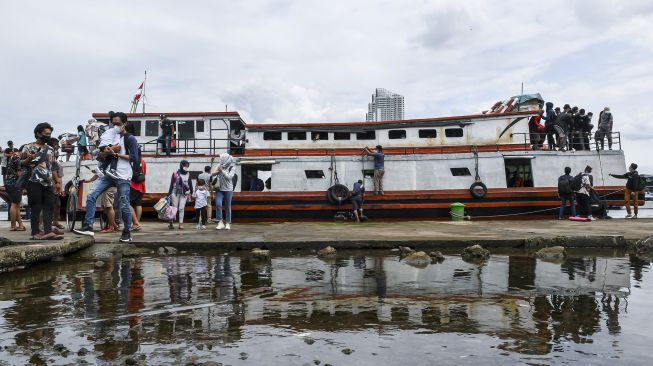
pixel 570 129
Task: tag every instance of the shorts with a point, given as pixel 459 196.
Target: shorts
pixel 357 202
pixel 135 197
pixel 107 198
pixel 15 194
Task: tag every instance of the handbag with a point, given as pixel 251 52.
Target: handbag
pixel 171 213
pixel 161 206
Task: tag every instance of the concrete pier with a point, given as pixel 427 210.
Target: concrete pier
pixel 613 233
pixel 17 251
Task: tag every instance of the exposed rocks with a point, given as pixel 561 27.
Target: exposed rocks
pixel 644 246
pixel 130 361
pixel 309 341
pixel 475 253
pixel 82 352
pixel 328 252
pixel 436 256
pixel 167 250
pixel 20 255
pixel 404 251
pixel 417 259
pixel 349 351
pixel 260 253
pixel 551 253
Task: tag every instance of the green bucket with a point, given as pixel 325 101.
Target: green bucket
pixel 457 211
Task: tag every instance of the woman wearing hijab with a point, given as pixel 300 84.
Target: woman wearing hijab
pixel 222 181
pixel 179 192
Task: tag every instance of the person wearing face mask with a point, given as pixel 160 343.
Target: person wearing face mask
pixel 634 185
pixel 126 153
pixel 36 159
pixel 181 187
pixel 223 182
pixel 109 139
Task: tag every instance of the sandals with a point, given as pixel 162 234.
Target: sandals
pixel 48 236
pixel 136 228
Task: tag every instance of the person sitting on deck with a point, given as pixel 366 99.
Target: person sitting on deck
pixel 379 167
pixel 566 193
pixel 633 185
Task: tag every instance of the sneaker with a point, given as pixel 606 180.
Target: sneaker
pixel 198 227
pixel 85 230
pixel 111 173
pixel 203 227
pixel 629 216
pixel 220 225
pixel 227 227
pixel 592 218
pixel 125 237
pixel 108 230
pixel 634 217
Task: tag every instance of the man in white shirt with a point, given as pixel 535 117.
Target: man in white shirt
pixel 583 196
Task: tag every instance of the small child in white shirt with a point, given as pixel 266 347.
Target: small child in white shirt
pixel 201 196
pixel 109 138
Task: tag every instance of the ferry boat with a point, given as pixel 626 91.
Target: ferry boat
pixel 301 171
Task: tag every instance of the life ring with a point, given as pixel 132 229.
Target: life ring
pixel 337 194
pixel 478 190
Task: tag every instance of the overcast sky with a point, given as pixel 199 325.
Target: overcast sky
pixel 321 60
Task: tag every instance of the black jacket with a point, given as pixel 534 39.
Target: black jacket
pixel 632 177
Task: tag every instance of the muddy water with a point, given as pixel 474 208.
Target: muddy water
pixel 359 309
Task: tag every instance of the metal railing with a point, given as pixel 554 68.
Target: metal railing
pixel 576 141
pixel 193 146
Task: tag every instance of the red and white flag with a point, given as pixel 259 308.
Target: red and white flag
pixel 139 92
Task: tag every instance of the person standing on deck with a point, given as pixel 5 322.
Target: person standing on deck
pixel 605 129
pixel 223 183
pixel 181 188
pixel 566 194
pixel 633 185
pixel 127 153
pixel 584 200
pixel 206 177
pixel 167 130
pixel 561 126
pixel 549 120
pixel 379 167
pixel 11 185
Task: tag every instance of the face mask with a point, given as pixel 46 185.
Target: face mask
pixel 44 139
pixel 117 129
pixel 201 188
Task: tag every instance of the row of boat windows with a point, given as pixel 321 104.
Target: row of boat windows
pixel 184 129
pixel 369 173
pixel 365 135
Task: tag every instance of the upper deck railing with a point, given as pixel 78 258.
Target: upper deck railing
pixel 581 141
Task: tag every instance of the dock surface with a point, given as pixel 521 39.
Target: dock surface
pixel 601 233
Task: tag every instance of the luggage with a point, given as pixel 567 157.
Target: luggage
pixel 564 186
pixel 576 182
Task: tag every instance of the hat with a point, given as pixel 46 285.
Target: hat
pixel 10 142
pixel 566 106
pixel 634 166
pixel 91 120
pixel 606 109
pixel 379 147
pixel 184 163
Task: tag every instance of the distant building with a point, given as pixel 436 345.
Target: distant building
pixel 385 106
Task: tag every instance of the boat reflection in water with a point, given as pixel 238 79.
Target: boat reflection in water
pixel 295 308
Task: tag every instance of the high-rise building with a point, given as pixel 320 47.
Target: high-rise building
pixel 385 106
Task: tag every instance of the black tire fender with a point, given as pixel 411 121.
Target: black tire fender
pixel 337 194
pixel 478 190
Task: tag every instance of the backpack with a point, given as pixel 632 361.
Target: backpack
pixel 564 186
pixel 576 182
pixel 137 171
pixel 639 182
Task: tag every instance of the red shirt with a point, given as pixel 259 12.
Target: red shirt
pixel 140 186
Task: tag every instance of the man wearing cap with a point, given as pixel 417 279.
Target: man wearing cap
pixel 605 129
pixel 379 168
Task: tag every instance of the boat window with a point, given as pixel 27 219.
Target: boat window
pixel 185 130
pixel 453 132
pixel 137 127
pixel 342 136
pixel 396 134
pixel 319 135
pixel 296 136
pixel 428 134
pixel 458 172
pixel 313 174
pixel 256 178
pixel 272 135
pixel 367 135
pixel 518 173
pixel 152 128
pixel 368 173
pixel 199 126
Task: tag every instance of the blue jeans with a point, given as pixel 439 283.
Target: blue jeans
pixel 122 196
pixel 228 195
pixel 166 139
pixel 564 204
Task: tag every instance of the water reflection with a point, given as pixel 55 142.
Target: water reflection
pixel 128 306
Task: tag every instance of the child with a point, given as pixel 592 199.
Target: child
pixel 109 138
pixel 201 196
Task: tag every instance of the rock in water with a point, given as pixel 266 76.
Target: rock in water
pixel 167 250
pixel 328 252
pixel 475 253
pixel 418 259
pixel 550 253
pixel 260 253
pixel 644 246
pixel 436 257
pixel 404 251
